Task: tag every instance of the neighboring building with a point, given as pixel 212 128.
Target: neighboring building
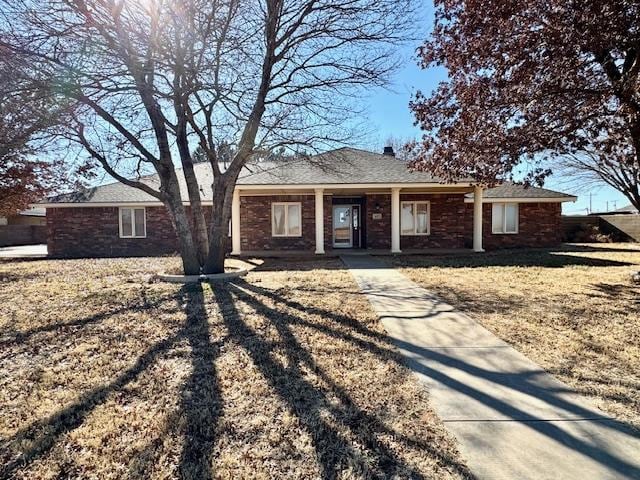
pixel 28 227
pixel 346 198
pixel 31 216
pixel 629 209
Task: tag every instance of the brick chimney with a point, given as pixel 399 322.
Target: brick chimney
pixel 389 151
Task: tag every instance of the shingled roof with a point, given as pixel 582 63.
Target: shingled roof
pixel 337 167
pixel 509 190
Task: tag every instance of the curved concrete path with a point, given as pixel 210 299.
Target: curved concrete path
pixel 511 418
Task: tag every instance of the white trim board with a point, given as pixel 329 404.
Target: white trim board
pixel 312 186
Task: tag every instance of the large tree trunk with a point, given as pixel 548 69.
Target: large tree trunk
pixel 200 236
pixel 223 186
pixel 197 214
pixel 182 227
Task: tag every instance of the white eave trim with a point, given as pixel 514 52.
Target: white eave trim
pixel 312 186
pixel 524 200
pixel 278 190
pixel 102 204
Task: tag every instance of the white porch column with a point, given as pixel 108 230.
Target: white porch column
pixel 235 223
pixel 395 220
pixel 319 221
pixel 477 219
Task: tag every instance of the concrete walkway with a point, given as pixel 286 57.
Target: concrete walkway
pixel 511 418
pixel 24 251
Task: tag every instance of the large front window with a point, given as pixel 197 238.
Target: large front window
pixel 504 218
pixel 133 223
pixel 414 218
pixel 286 219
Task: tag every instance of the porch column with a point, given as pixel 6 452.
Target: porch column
pixel 235 223
pixel 319 221
pixel 477 219
pixel 395 220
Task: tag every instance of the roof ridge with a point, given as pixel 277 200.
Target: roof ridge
pixel 274 166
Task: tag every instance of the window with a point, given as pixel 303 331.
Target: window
pixel 504 218
pixel 133 223
pixel 286 219
pixel 414 218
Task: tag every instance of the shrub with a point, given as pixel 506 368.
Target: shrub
pixel 587 234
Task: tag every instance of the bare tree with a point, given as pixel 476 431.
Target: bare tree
pixel 153 80
pixel 589 168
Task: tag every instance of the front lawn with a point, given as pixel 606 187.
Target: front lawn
pixel 572 310
pixel 104 374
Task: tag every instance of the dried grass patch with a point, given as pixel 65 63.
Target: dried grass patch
pixel 283 374
pixel 573 310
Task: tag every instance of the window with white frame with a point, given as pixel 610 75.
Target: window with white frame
pixel 286 219
pixel 504 218
pixel 414 218
pixel 133 222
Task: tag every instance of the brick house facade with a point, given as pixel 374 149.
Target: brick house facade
pixel 94 232
pixel 364 200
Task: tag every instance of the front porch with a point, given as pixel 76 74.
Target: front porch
pixel 378 221
pixel 337 252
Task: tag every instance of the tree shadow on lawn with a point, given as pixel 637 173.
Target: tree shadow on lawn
pixel 548 258
pixel 463 300
pixel 526 382
pixel 200 399
pixel 524 257
pixel 11 338
pixel 201 404
pixel 308 401
pixel 619 291
pixel 599 247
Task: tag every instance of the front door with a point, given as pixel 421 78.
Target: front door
pixel 342 233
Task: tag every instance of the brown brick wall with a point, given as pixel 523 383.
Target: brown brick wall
pixel 539 225
pixel 446 228
pixel 255 223
pixel 378 230
pixel 94 232
pixel 447 222
pixel 328 222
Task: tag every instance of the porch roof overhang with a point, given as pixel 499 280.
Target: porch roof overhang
pixel 301 189
pixel 353 188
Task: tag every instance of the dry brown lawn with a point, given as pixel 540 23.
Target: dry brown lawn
pixel 104 374
pixel 574 311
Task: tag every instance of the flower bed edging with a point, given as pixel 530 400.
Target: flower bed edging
pixel 212 277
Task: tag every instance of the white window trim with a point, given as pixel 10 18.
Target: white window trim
pixel 133 222
pixel 286 219
pixel 415 224
pixel 504 218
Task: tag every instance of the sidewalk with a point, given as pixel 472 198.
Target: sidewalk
pixel 24 251
pixel 511 418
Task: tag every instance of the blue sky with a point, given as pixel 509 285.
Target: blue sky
pixel 389 115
